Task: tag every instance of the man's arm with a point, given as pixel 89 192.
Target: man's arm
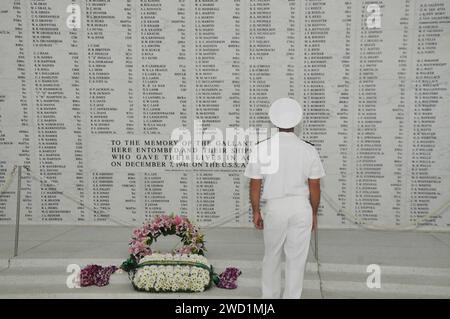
pixel 255 194
pixel 314 198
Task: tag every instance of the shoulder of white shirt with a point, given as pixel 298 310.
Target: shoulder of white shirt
pixel 305 142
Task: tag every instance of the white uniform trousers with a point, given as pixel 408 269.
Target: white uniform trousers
pixel 287 226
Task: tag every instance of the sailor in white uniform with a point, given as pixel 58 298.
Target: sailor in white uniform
pixel 292 194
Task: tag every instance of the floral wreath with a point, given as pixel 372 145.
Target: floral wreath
pixel 140 251
pixel 143 237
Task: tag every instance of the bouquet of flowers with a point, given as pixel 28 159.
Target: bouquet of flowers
pixel 183 270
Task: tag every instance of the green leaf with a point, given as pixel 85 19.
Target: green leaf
pixel 129 264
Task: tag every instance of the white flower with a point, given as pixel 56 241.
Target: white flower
pixel 172 277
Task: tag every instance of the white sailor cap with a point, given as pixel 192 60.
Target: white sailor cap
pixel 285 113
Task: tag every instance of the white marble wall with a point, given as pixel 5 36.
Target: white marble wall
pixel 376 103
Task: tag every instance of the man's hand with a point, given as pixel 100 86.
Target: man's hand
pixel 314 198
pixel 257 220
pixel 255 192
pixel 314 222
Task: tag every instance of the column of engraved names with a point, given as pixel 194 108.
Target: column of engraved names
pixel 211 201
pixel 326 84
pixel 163 97
pixel 54 58
pixel 214 105
pixel 317 78
pixel 429 132
pixel 398 185
pixel 343 113
pixel 236 43
pixel 128 23
pixel 79 118
pixel 368 141
pixel 111 99
pixel 217 96
pixel 218 59
pixel 236 97
pixel 315 32
pixel 14 108
pixel 260 30
pixel 292 49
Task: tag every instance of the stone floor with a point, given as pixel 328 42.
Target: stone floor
pixel 412 264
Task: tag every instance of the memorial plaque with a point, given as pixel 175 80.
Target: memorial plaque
pixel 78 76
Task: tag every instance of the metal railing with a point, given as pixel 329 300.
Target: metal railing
pixel 19 186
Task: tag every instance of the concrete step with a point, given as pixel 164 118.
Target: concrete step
pixel 46 278
pixel 58 274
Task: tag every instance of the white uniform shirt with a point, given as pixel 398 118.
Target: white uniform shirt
pixel 297 162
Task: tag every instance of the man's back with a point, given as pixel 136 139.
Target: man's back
pixel 297 161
